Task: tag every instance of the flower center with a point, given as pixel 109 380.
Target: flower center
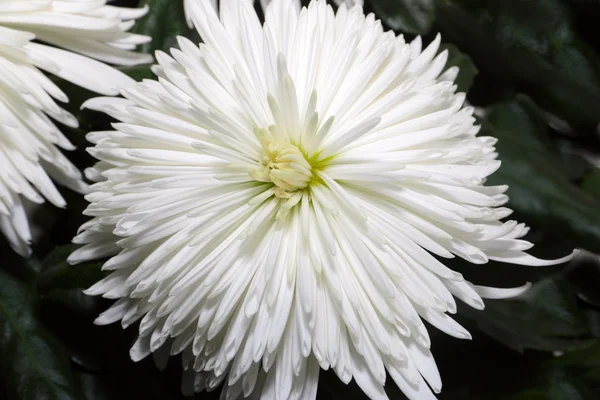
pixel 284 165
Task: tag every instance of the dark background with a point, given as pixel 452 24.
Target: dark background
pixel 532 67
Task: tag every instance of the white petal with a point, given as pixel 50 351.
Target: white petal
pixel 273 203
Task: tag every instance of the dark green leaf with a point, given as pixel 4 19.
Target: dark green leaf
pixel 33 364
pixel 58 274
pixel 24 269
pixel 572 163
pixel 163 23
pixel 540 190
pixel 575 165
pixel 588 357
pixel 545 318
pixel 409 16
pixel 139 72
pixel 62 284
pixel 553 382
pixel 540 55
pixel 484 369
pixel 591 183
pixel 468 70
pixel 584 274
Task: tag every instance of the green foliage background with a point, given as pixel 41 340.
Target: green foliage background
pixel 532 67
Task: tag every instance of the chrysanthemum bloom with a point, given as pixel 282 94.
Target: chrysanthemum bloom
pixel 273 204
pixel 29 140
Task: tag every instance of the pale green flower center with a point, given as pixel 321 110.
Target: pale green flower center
pixel 284 165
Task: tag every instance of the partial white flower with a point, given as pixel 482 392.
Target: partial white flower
pixel 350 2
pixel 273 204
pixel 263 3
pixel 29 140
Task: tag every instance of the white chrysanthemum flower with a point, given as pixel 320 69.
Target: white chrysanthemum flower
pixel 29 156
pixel 273 204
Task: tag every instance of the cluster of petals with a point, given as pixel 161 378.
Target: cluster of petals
pixel 282 198
pixel 65 38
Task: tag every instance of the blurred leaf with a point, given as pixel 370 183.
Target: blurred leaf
pixel 591 183
pixel 96 388
pixel 553 382
pixel 584 274
pixel 545 318
pixel 575 165
pixel 62 284
pixel 70 315
pixel 57 273
pixel 468 70
pixel 164 22
pixel 483 368
pixel 588 357
pixel 34 366
pixel 26 270
pixel 139 72
pixel 542 56
pixel 539 189
pixel 408 16
pixel 76 301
